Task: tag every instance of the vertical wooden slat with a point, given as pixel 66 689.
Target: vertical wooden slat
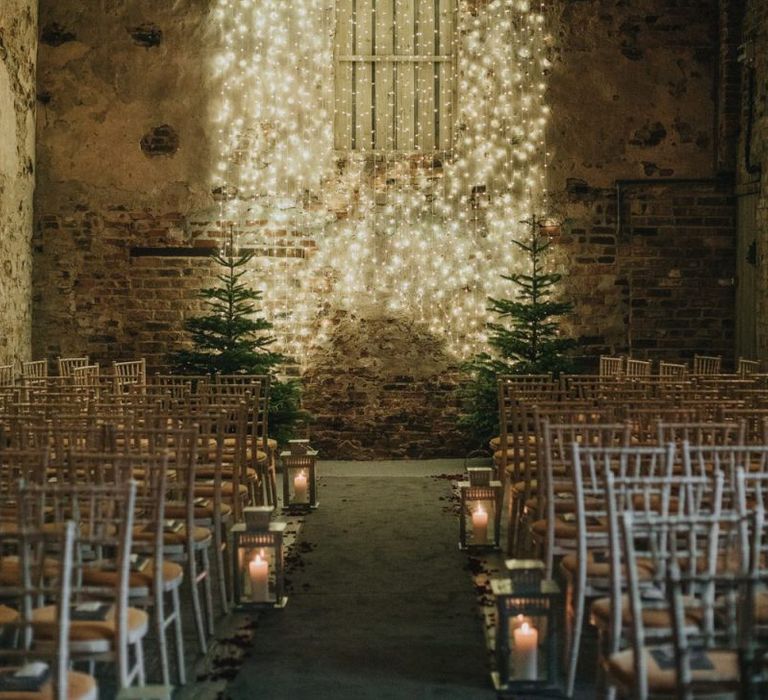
pixel 447 75
pixel 384 70
pixel 364 76
pixel 425 70
pixel 404 81
pixel 343 78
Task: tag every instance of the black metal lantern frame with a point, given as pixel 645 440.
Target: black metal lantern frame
pixel 527 644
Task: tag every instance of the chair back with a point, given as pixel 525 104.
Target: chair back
pixel 28 551
pixel 704 364
pixel 67 364
pixel 611 366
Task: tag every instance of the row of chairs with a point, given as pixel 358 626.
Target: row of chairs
pixel 679 544
pixel 213 436
pixel 703 365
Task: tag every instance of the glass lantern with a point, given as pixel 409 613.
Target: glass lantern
pixel 258 563
pixel 299 476
pixel 527 646
pixel 480 498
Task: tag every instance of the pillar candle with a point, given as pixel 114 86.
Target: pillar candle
pixel 479 526
pixel 525 653
pixel 300 492
pixel 258 571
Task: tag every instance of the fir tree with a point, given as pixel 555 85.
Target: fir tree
pixel 232 338
pixel 527 339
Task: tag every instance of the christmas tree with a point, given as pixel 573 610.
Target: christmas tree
pixel 527 339
pixel 232 338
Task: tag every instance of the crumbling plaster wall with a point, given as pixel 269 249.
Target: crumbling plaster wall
pixel 125 151
pixel 18 48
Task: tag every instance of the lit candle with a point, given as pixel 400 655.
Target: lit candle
pixel 480 525
pixel 300 491
pixel 525 653
pixel 258 571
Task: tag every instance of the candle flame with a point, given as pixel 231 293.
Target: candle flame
pixel 258 559
pixel 480 510
pixel 526 628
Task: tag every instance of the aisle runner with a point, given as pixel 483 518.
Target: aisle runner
pixel 382 606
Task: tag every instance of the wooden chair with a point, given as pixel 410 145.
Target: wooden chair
pixel 67 364
pixel 33 583
pixel 691 544
pixel 645 498
pixel 85 376
pixel 557 532
pixel 153 580
pixel 611 366
pixel 706 365
pixel 638 368
pixel 744 367
pixel 130 375
pixel 34 374
pixel 104 513
pixel 718 656
pixel 7 375
pixel 670 371
pixel 588 575
pixel 184 541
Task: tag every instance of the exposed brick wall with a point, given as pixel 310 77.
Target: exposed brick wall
pixel 18 47
pixel 118 232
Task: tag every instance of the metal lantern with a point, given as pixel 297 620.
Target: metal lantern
pixel 528 609
pixel 480 521
pixel 258 560
pixel 299 475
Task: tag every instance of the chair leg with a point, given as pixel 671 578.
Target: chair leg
pixel 179 636
pixel 139 651
pixel 221 569
pixel 208 590
pixel 196 606
pixel 162 642
pixel 577 603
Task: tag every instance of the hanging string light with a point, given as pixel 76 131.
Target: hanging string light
pixel 414 223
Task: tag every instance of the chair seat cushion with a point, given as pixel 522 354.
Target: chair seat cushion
pixel 200 535
pixel 203 511
pixel 9 571
pixel 564 530
pixel 725 670
pixel 91 636
pixel 601 568
pixel 656 618
pixel 204 490
pixel 80 686
pixel 140 582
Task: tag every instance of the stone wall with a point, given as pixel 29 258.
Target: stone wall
pixel 125 211
pixel 18 44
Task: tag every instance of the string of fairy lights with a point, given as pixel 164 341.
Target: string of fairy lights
pixel 379 155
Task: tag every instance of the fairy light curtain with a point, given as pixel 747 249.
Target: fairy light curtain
pixel 379 154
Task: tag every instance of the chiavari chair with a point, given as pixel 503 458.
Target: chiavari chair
pixel 693 545
pixel 67 364
pixel 103 626
pixel 587 570
pixel 704 364
pixel 31 669
pixel 556 533
pixel 184 540
pixel 153 580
